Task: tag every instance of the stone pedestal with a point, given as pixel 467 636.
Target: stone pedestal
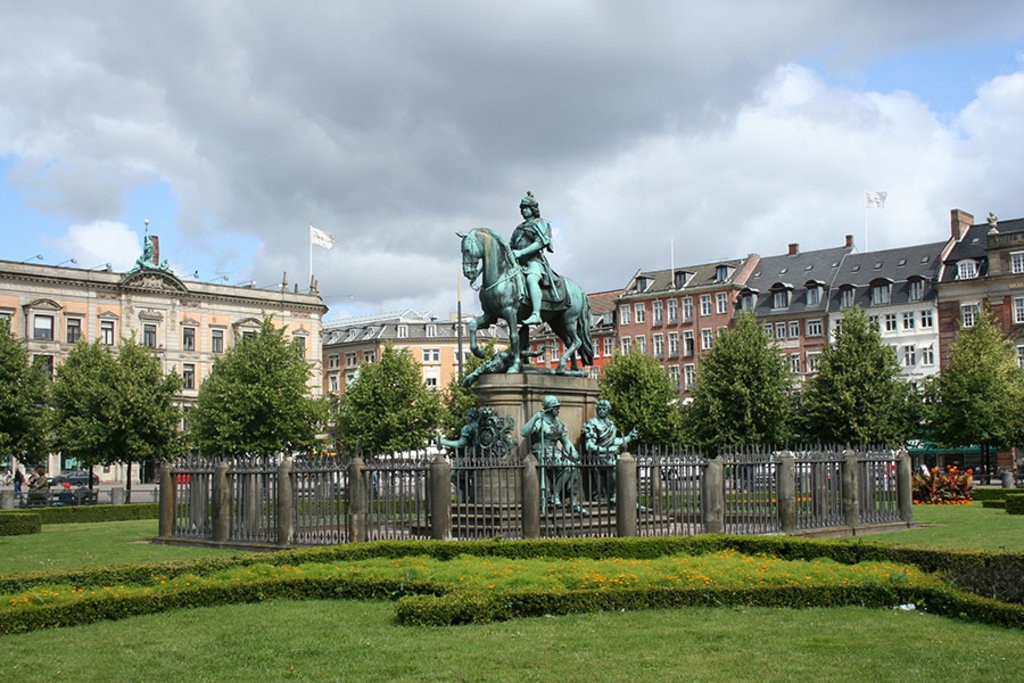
pixel 521 395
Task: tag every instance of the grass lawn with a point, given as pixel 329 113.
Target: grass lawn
pixel 359 641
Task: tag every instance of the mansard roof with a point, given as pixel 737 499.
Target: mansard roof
pixel 896 267
pixel 974 246
pixel 704 275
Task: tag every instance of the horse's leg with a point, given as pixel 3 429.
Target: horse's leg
pixel 479 323
pixel 514 348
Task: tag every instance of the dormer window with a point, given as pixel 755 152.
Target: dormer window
pixel 966 270
pixel 431 330
pixel 680 278
pixel 722 273
pixel 642 283
pixel 881 292
pixel 748 300
pixel 813 294
pixel 781 294
pixel 915 289
pixel 403 331
pixel 847 296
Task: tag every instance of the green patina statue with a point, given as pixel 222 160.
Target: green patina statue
pixel 519 287
pixel 557 457
pixel 602 445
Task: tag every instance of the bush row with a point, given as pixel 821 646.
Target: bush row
pixel 20 523
pixel 991 493
pixel 466 607
pixel 1015 504
pixel 73 514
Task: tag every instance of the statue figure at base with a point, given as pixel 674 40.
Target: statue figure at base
pixel 484 435
pixel 557 457
pixel 602 445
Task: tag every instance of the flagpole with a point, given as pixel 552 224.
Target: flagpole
pixel 311 255
pixel 865 219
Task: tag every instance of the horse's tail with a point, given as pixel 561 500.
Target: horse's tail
pixel 586 350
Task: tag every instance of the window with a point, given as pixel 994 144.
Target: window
pixel 881 294
pixel 658 342
pixel 673 344
pixel 149 335
pixel 188 338
pixel 431 355
pixel 927 319
pixel 1018 309
pixel 673 311
pixel 673 373
pixel 968 314
pixel 687 309
pixel 689 346
pixel 641 344
pixel 431 382
pixel 780 330
pixel 890 322
pixel 369 356
pixel 847 297
pixel 333 361
pixel 927 355
pixel 431 330
pixel 966 270
pixel 794 363
pixel 875 323
pixel 748 302
pixel 705 304
pixel 188 376
pixel 641 313
pixel 707 339
pixel 627 345
pixel 812 361
pixel 300 344
pixel 42 327
pixel 689 376
pixel 916 289
pixel 657 312
pixel 909 356
pixel 721 273
pixel 814 327
pixel 1017 262
pixel 794 329
pixel 332 383
pixel 74 330
pixel 780 298
pixel 722 302
pixel 607 345
pixel 403 331
pixel 350 360
pixel 624 316
pixel 813 295
pixel 769 330
pixel 107 332
pixel 908 320
pixel 217 341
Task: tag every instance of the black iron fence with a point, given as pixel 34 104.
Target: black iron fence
pixel 320 501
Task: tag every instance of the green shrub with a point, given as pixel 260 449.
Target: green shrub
pixel 1015 504
pixel 78 514
pixel 984 494
pixel 20 523
pixel 995 504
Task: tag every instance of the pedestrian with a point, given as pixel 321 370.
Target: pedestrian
pixel 19 481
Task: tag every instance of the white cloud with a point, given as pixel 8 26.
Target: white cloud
pixel 101 242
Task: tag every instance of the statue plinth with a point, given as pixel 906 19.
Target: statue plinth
pixel 520 395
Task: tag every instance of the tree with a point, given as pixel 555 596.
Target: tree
pixel 643 397
pixel 389 407
pixel 115 409
pixel 457 399
pixel 24 399
pixel 741 396
pixel 256 400
pixel 977 397
pixel 858 395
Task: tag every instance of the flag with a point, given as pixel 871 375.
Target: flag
pixel 876 199
pixel 321 238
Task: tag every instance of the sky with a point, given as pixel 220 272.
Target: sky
pixel 653 133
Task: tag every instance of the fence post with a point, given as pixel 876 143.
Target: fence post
pixel 358 498
pixel 625 495
pixel 851 489
pixel 221 504
pixel 285 504
pixel 786 487
pixel 440 497
pixel 712 496
pixel 167 493
pixel 531 497
pixel 905 486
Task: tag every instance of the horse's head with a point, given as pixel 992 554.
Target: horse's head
pixel 472 253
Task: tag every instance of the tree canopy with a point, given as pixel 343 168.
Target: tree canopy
pixel 858 395
pixel 741 395
pixel 389 407
pixel 24 399
pixel 977 397
pixel 643 397
pixel 115 408
pixel 256 400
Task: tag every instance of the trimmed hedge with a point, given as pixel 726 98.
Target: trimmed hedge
pixel 77 514
pixel 1015 504
pixel 991 493
pixel 994 504
pixel 20 523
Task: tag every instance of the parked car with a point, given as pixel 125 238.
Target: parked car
pixel 75 478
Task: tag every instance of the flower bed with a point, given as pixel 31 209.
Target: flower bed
pixel 938 487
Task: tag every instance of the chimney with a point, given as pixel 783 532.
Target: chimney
pixel 959 222
pixel 849 241
pixel 794 248
pixel 156 249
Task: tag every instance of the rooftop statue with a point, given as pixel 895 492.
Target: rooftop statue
pixel 148 257
pixel 518 286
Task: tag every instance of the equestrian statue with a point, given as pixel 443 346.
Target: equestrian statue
pixel 518 286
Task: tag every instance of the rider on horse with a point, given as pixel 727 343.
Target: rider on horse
pixel 529 241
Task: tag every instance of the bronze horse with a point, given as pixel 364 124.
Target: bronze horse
pixel 503 297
